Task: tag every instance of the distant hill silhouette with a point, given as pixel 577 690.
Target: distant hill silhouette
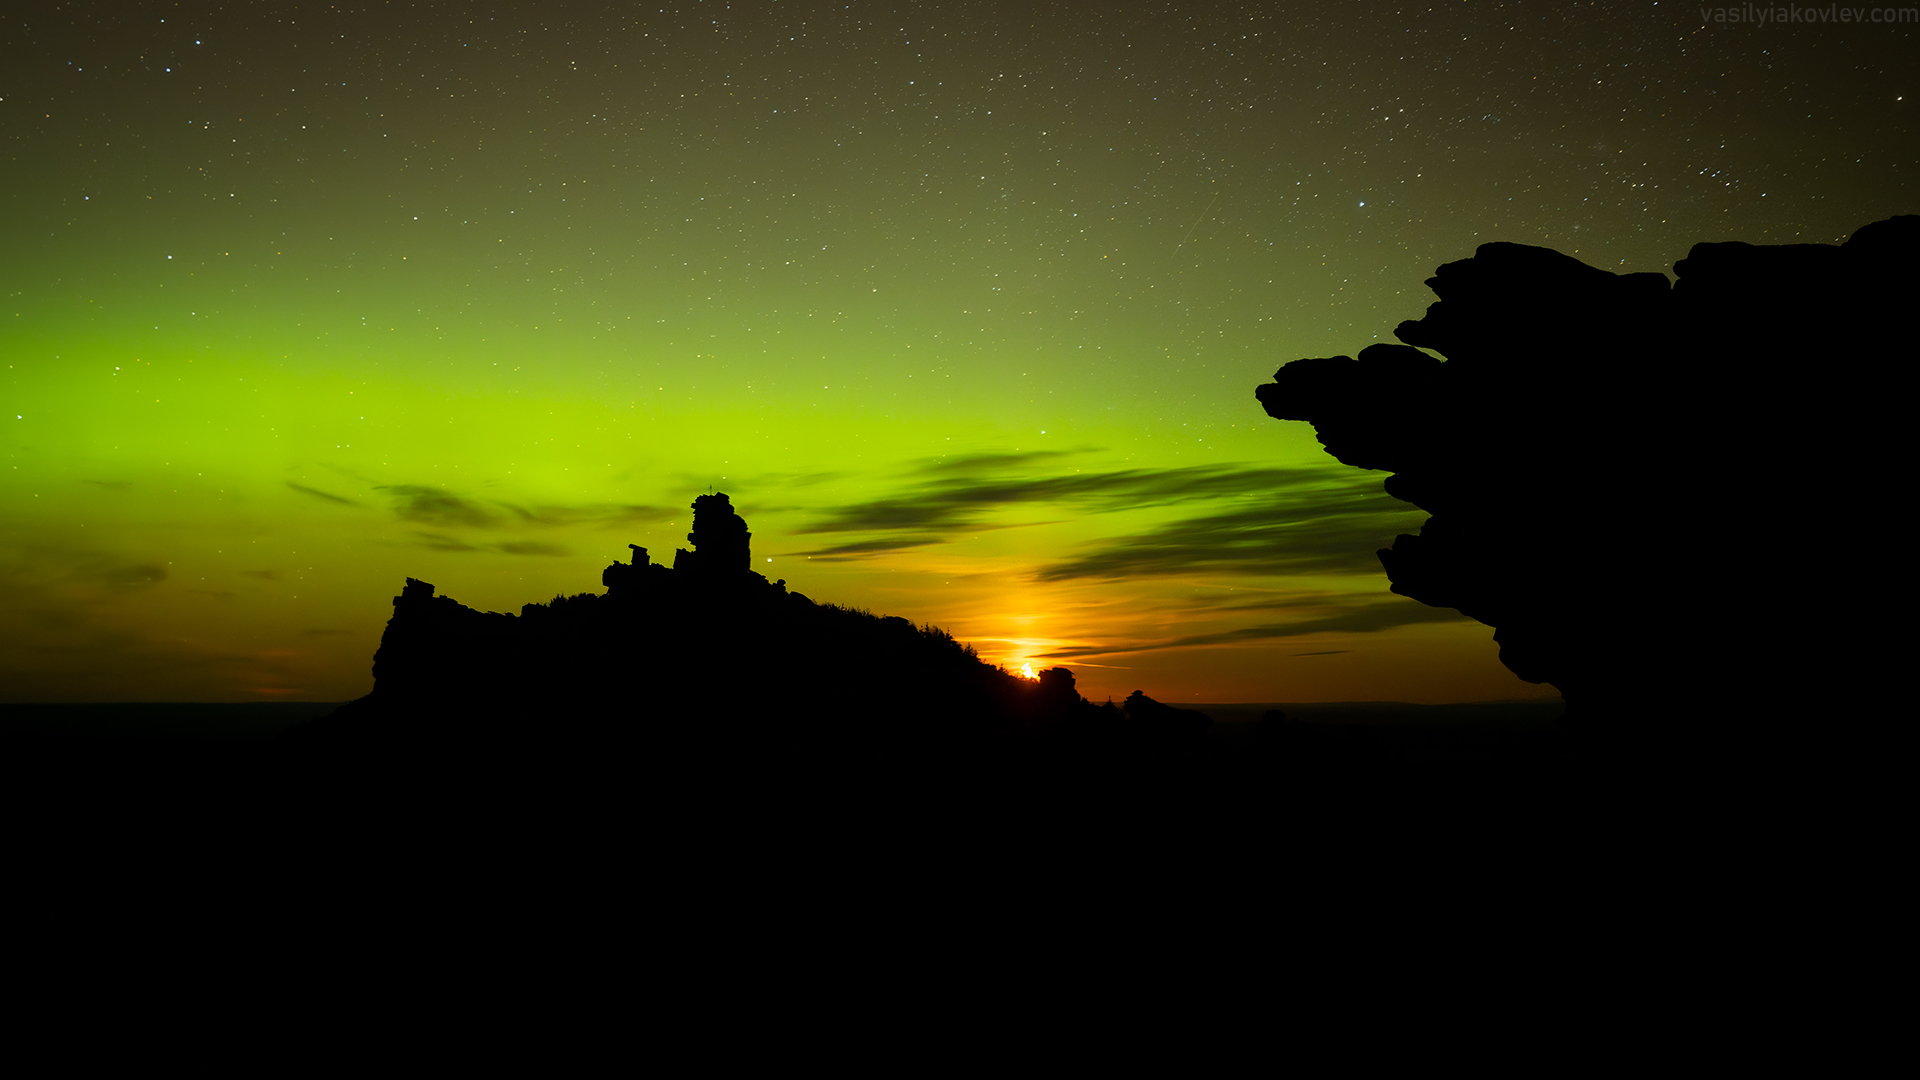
pixel 703 654
pixel 1660 497
pixel 710 712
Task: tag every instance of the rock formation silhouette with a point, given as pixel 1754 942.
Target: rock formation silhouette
pixel 720 539
pixel 705 712
pixel 703 653
pixel 1650 492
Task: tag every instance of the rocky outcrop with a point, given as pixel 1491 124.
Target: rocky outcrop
pixel 705 650
pixel 1649 491
pixel 722 546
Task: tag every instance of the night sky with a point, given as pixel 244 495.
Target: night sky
pixel 963 305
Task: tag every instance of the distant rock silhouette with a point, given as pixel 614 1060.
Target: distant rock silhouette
pixel 1165 721
pixel 705 653
pixel 1650 492
pixel 702 712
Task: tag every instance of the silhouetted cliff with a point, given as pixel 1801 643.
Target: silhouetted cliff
pixel 1657 496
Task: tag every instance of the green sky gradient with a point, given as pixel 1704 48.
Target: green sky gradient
pixel 963 305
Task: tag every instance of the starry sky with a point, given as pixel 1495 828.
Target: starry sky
pixel 963 304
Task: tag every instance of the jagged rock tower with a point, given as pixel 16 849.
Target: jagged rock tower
pixel 722 544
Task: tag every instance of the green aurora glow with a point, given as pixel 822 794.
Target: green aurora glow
pixel 963 306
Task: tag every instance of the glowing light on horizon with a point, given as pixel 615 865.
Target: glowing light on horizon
pixel 1026 671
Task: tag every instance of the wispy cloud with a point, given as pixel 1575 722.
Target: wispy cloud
pixel 977 463
pixel 1313 519
pixel 591 514
pixel 863 548
pixel 1363 617
pixel 953 495
pixel 327 495
pixel 443 542
pixel 445 509
pixel 1363 620
pixel 1318 531
pixel 127 575
pixel 436 506
pixel 529 548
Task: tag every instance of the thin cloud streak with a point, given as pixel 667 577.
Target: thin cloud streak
pixel 327 495
pixel 591 514
pixel 1327 532
pixel 861 549
pixel 959 503
pixel 1368 619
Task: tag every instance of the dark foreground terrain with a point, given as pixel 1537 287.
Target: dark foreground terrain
pixel 1283 777
pixel 717 865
